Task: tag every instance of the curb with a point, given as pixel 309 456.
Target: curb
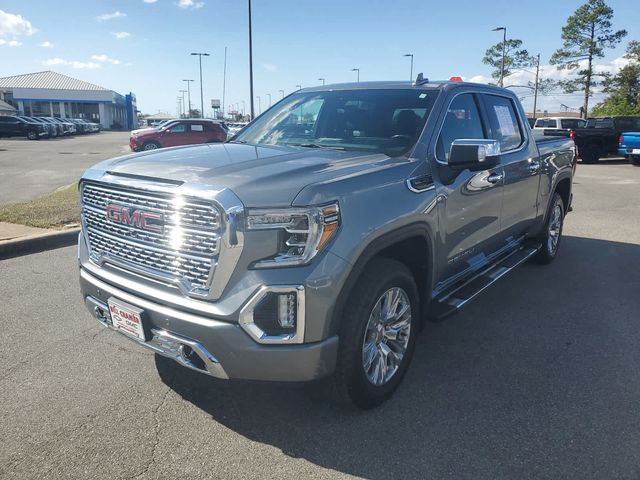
pixel 38 243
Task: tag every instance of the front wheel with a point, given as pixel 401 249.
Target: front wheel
pixel 552 233
pixel 378 334
pixel 150 146
pixel 32 136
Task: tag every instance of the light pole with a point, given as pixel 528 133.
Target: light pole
pixel 200 55
pixel 282 92
pixel 224 82
pixel 259 105
pixel 504 46
pixel 250 63
pixel 269 95
pixel 410 74
pixel 243 108
pixel 322 80
pixel 358 73
pixel 299 87
pixel 535 92
pixel 189 96
pixel 183 92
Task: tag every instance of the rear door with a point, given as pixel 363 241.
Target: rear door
pixel 519 158
pixel 199 133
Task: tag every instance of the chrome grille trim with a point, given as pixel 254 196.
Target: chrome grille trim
pixel 210 231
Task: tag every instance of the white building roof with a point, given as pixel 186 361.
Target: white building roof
pixel 48 80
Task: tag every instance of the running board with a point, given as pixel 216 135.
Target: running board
pixel 451 301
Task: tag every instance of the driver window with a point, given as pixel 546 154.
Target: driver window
pixel 178 128
pixel 462 121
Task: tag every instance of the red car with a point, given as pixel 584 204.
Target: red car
pixel 179 132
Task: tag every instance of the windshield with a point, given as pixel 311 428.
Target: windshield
pixel 377 121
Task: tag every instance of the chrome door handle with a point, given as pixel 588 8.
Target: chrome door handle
pixel 495 177
pixel 534 166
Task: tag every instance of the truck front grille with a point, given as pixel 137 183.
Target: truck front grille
pixel 181 246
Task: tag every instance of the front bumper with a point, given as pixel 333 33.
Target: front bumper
pixel 225 349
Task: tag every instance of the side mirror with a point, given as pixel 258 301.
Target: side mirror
pixel 474 153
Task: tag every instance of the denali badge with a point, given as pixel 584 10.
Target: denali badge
pixel 149 221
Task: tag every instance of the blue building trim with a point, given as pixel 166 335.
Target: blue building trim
pixel 109 102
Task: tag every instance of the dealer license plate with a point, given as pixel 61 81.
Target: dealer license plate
pixel 635 151
pixel 126 318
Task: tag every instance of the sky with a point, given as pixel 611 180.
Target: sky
pixel 144 46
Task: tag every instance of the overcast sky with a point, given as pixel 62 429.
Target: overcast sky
pixel 143 46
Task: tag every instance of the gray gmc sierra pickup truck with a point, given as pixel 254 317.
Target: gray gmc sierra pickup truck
pixel 316 241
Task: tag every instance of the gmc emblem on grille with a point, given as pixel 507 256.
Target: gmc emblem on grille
pixel 149 221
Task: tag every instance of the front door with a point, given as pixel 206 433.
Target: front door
pixel 176 134
pixel 470 201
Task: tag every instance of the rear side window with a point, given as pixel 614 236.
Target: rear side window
pixel 504 122
pixel 196 127
pixel 462 121
pixel 573 123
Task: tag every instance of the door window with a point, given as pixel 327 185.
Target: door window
pixel 178 128
pixel 462 121
pixel 504 122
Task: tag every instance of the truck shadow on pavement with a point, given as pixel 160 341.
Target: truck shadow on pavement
pixel 537 377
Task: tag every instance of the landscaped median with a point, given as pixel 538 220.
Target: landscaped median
pixel 46 222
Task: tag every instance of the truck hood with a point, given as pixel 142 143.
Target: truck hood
pixel 261 176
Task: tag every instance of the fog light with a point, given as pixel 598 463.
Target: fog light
pixel 287 310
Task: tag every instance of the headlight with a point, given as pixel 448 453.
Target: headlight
pixel 304 232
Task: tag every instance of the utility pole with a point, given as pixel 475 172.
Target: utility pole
pixel 251 65
pixel 183 92
pixel 321 79
pixel 200 55
pixel 504 51
pixel 269 95
pixel 224 81
pixel 259 105
pixel 535 92
pixel 189 96
pixel 357 70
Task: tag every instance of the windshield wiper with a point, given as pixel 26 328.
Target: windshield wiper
pixel 315 145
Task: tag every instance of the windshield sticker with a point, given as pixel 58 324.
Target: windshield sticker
pixel 505 121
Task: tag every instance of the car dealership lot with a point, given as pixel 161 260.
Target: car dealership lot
pixel 538 377
pixel 32 168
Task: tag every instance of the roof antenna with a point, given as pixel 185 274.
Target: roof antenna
pixel 420 79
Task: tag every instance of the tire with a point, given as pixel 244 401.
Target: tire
pixel 360 331
pixel 635 160
pixel 151 145
pixel 591 153
pixel 551 236
pixel 32 135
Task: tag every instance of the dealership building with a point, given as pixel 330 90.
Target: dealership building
pixel 51 94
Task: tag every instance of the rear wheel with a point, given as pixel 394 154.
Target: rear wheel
pixel 150 145
pixel 635 159
pixel 591 153
pixel 552 233
pixel 32 136
pixel 378 334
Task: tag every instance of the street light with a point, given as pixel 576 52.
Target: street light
pixel 200 55
pixel 269 95
pixel 189 96
pixel 321 79
pixel 282 92
pixel 224 82
pixel 504 46
pixel 243 108
pixel 183 92
pixel 259 105
pixel 250 64
pixel 358 73
pixel 299 87
pixel 410 74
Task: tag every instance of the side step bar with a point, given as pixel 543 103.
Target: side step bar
pixel 451 301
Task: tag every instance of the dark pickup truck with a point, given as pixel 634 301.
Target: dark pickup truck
pixel 601 136
pixel 315 242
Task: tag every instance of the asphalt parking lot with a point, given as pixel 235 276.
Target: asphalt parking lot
pixel 537 378
pixel 32 168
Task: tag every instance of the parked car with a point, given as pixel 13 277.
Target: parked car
pixel 68 128
pixel 12 126
pixel 235 127
pixel 180 132
pixel 559 123
pixel 51 129
pixel 60 131
pixel 629 146
pixel 81 127
pixel 156 126
pixel 315 245
pixel 600 137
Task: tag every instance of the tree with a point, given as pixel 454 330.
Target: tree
pixel 585 37
pixel 623 87
pixel 515 58
pixel 194 113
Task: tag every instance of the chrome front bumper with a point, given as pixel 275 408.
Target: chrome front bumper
pixel 184 351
